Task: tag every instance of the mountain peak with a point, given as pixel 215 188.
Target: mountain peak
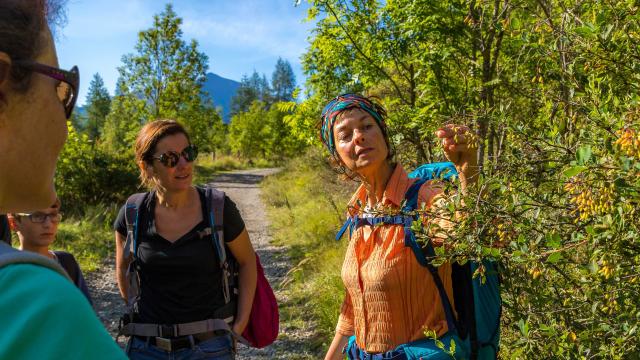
pixel 221 91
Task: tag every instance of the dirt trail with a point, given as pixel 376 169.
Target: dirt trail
pixel 243 187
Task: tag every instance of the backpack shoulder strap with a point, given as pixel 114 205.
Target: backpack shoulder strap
pixel 69 264
pixel 424 252
pixel 132 210
pixel 215 211
pixel 9 256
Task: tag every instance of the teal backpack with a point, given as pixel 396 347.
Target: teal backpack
pixel 477 305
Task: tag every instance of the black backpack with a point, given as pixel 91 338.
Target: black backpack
pixel 223 316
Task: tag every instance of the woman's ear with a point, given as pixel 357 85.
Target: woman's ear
pixel 146 169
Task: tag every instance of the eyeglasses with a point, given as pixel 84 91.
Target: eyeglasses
pixel 39 217
pixel 170 158
pixel 69 84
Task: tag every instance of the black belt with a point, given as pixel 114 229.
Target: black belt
pixel 181 342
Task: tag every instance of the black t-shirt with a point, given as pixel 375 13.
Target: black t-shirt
pixel 180 281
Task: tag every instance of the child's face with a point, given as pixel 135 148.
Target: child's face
pixel 39 228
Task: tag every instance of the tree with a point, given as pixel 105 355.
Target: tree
pixel 551 89
pixel 283 81
pixel 254 88
pixel 98 105
pixel 126 116
pixel 247 132
pixel 164 79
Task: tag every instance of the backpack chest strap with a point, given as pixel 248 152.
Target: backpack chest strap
pixel 356 221
pixel 422 253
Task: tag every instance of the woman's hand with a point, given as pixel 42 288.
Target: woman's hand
pixel 238 328
pixel 460 147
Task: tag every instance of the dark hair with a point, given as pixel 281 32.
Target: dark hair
pixel 22 23
pixel 148 138
pixel 5 233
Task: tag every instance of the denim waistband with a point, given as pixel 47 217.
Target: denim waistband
pixel 354 352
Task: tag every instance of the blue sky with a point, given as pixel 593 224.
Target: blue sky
pixel 237 35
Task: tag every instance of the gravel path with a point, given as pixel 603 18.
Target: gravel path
pixel 243 188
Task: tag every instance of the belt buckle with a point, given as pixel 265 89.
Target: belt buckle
pixel 163 343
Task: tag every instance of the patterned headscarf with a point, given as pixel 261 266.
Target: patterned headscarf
pixel 345 102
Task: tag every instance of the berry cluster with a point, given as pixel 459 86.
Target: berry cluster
pixel 629 142
pixel 590 201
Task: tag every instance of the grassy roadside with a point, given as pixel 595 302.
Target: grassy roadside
pixel 306 205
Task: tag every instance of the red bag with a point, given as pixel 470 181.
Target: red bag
pixel 264 321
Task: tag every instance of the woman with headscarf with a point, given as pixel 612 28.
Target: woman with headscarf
pixel 390 298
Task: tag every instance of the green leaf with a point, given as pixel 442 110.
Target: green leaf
pixel 583 155
pixel 553 240
pixel 554 258
pixel 573 171
pixel 524 327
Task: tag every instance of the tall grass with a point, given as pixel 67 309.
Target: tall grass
pixel 306 206
pixel 91 238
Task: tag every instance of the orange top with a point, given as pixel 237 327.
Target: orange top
pixel 390 298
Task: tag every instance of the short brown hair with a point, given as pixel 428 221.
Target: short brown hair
pixel 148 138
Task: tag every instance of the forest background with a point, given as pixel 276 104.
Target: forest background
pixel 549 87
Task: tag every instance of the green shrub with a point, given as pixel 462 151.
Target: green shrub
pixel 88 176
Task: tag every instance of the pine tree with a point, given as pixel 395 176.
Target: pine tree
pixel 283 81
pixel 98 106
pixel 253 88
pixel 245 95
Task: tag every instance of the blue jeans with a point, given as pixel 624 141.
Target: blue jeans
pixel 424 349
pixel 216 348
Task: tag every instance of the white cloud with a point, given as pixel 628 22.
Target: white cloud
pixel 261 29
pixel 94 20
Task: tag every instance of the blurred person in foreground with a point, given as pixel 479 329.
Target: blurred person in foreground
pixel 44 316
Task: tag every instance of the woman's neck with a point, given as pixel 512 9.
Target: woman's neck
pixel 376 182
pixel 174 199
pixel 42 250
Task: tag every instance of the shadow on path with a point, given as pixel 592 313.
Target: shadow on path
pixel 238 178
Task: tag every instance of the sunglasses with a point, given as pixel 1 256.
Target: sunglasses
pixel 40 218
pixel 69 82
pixel 170 158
